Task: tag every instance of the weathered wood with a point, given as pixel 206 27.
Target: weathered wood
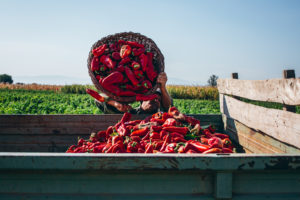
pixel 285 91
pixel 254 141
pixel 289 74
pixel 284 126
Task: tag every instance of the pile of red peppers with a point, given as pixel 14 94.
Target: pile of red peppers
pixel 124 68
pixel 168 132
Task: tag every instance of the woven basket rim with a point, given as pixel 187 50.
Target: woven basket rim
pixel 127 36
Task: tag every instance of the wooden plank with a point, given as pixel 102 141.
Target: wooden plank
pixel 285 91
pixel 284 126
pixel 254 141
pixel 146 162
pixel 75 124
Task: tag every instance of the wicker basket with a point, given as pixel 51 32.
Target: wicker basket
pixel 158 60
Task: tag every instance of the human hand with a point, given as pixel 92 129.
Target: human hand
pixel 122 107
pixel 162 79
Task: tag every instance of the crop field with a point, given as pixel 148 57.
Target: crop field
pixel 51 102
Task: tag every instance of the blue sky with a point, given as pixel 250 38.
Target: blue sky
pixel 257 39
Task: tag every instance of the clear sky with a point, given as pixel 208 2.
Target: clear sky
pixel 256 38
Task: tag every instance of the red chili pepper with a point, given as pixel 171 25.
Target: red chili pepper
pixel 102 68
pixel 99 50
pixel 227 150
pixel 144 61
pixel 113 89
pixel 196 146
pixel 114 77
pixel 125 61
pixel 141 97
pixel 101 135
pixel 215 142
pixel 149 148
pixel 150 72
pixel 99 148
pixel 108 62
pixel 138 74
pixel 159 121
pixel 156 128
pixel 95 64
pixel 95 95
pixel 192 121
pixel 170 148
pixel 204 140
pixel 162 134
pixel 137 52
pixel 173 111
pixel 213 150
pixel 116 56
pixel 170 122
pixel 178 139
pixel 117 138
pixel 174 134
pixel 227 143
pixel 147 84
pixel 142 132
pixel 125 51
pixel 154 135
pixel 166 141
pixel 109 131
pixel 135 44
pixel 220 135
pixel 135 65
pixel 123 131
pixel 114 47
pixel 125 118
pixel 181 130
pixel 133 147
pixel 131 76
pixel 121 68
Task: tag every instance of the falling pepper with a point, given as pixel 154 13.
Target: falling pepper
pixel 95 95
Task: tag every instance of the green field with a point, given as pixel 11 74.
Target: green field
pixel 49 102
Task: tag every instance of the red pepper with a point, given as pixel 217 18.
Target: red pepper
pixel 101 135
pixel 108 62
pixel 141 97
pixel 131 76
pixel 123 131
pixel 113 89
pixel 135 65
pixel 181 130
pixel 95 64
pixel 174 134
pixel 163 133
pixel 109 131
pixel 125 118
pixel 220 135
pixel 213 150
pixel 121 68
pixel 138 74
pixel 227 143
pixel 204 140
pixel 215 142
pixel 117 138
pixel 114 77
pixel 125 51
pixel 137 52
pixel 227 150
pixel 196 146
pixel 147 84
pixel 170 122
pixel 142 132
pixel 178 139
pixel 116 56
pixel 135 44
pixel 99 148
pixel 133 147
pixel 149 148
pixel 170 148
pixel 154 135
pixel 125 61
pixel 166 141
pixel 99 50
pixel 144 61
pixel 114 47
pixel 156 128
pixel 151 73
pixel 102 68
pixel 95 94
pixel 192 121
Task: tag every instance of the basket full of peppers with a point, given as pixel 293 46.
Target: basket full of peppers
pixel 162 132
pixel 125 66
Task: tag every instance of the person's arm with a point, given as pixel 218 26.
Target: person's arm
pixel 119 106
pixel 165 97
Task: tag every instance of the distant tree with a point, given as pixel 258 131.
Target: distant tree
pixel 4 78
pixel 212 81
